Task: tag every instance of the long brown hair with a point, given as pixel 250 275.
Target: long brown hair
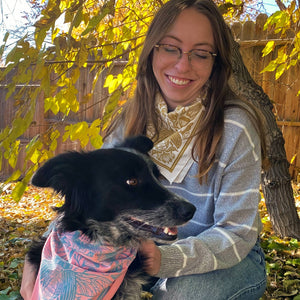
pixel 140 110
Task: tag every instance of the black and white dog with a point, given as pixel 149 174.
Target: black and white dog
pixel 113 199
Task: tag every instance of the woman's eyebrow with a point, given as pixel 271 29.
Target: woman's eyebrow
pixel 196 45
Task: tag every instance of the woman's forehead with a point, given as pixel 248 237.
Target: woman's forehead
pixel 191 28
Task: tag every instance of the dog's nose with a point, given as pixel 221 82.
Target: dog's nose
pixel 186 211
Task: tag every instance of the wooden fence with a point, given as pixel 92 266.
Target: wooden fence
pixel 252 39
pixel 282 92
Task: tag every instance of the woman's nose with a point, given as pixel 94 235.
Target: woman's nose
pixel 183 64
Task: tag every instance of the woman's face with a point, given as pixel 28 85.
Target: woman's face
pixel 181 79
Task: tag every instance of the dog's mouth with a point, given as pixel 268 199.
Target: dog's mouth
pixel 162 233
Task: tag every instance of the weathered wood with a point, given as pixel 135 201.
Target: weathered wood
pixel 288 123
pixel 254 42
pixel 276 180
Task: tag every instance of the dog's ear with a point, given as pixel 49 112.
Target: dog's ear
pixel 60 172
pixel 140 143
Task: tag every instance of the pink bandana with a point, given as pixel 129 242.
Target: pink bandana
pixel 73 267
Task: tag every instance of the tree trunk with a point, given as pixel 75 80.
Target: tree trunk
pixel 276 180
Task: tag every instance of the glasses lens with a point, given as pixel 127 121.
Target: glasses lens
pixel 200 55
pixel 169 52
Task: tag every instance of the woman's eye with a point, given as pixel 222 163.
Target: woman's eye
pixel 132 181
pixel 170 49
pixel 201 54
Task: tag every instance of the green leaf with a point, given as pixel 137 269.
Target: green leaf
pixel 77 19
pixel 15 263
pixel 15 176
pixel 53 137
pixel 6 291
pixel 12 153
pixel 95 21
pixel 19 190
pixel 39 36
pixel 110 106
pixel 6 37
pixel 293 262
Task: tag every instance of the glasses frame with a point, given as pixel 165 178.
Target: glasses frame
pixel 189 53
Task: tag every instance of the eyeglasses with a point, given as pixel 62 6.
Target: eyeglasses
pixel 196 57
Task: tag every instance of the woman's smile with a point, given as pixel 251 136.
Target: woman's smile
pixel 178 81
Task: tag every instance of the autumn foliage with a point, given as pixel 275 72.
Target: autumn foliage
pixel 101 34
pixel 23 221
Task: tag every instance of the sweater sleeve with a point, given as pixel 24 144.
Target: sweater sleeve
pixel 236 222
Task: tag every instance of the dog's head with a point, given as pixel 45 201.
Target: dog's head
pixel 118 185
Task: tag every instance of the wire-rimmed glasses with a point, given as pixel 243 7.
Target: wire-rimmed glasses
pixel 197 57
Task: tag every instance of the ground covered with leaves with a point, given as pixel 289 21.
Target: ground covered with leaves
pixel 21 222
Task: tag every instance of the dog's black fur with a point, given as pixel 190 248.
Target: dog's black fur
pixel 113 195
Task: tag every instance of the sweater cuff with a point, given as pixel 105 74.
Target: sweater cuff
pixel 172 261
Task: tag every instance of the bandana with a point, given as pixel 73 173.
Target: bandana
pixel 73 267
pixel 172 152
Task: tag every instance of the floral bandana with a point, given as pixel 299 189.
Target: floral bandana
pixel 172 151
pixel 73 267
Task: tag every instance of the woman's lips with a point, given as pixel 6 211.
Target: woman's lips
pixel 178 81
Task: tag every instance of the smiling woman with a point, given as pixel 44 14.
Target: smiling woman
pixel 181 73
pixel 209 150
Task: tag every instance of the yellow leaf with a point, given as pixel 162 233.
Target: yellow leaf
pixel 280 70
pixel 19 190
pixel 35 156
pixel 268 48
pixel 293 158
pixel 97 142
pixel 51 104
pixel 270 67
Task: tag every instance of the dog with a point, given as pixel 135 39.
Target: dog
pixel 112 200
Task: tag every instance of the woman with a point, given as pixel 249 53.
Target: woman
pixel 209 147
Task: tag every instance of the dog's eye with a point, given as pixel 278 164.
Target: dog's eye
pixel 132 181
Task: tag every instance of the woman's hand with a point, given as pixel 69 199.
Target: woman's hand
pixel 28 280
pixel 151 257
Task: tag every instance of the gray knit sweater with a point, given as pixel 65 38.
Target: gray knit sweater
pixel 226 224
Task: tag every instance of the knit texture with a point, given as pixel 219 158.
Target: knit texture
pixel 226 224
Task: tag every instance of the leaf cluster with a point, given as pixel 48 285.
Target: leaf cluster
pixel 100 35
pixel 282 257
pixel 286 24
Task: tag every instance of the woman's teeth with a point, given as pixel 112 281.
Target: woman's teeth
pixel 178 81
